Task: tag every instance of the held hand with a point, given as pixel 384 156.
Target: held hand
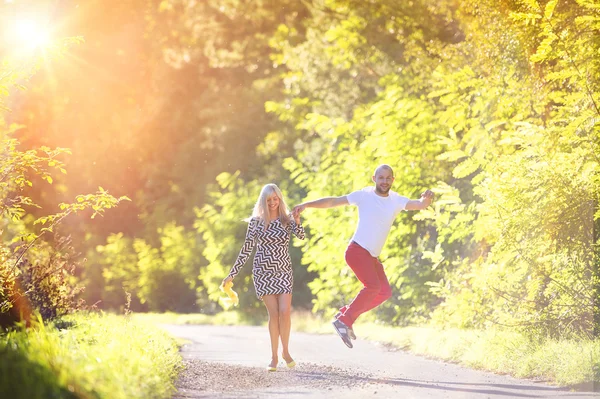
pixel 296 216
pixel 298 209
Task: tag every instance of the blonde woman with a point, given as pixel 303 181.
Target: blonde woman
pixel 270 229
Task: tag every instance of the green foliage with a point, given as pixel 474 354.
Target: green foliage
pixel 117 262
pixel 43 281
pixel 395 126
pixel 497 112
pixel 494 105
pixel 168 273
pixel 157 278
pixel 98 356
pixel 35 274
pixel 534 173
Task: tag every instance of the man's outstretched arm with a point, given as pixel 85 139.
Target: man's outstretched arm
pixel 326 202
pixel 420 204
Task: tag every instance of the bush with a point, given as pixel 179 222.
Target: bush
pixel 99 356
pixel 41 279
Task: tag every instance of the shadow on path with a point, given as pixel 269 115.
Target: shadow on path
pixel 493 389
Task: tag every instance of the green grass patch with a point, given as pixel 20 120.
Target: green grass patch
pixel 564 362
pixel 231 318
pixel 96 356
pixel 301 320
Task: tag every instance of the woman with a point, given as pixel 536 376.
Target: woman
pixel 270 229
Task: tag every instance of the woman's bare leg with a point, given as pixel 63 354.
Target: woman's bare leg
pixel 285 324
pixel 272 305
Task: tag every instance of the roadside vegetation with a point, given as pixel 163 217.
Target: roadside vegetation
pixel 88 355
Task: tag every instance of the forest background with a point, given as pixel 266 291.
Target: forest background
pixel 188 108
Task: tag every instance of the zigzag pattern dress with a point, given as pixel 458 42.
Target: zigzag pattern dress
pixel 272 266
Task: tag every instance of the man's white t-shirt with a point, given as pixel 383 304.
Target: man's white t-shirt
pixel 376 215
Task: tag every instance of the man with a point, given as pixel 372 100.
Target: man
pixel 377 209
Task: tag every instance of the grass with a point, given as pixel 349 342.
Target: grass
pixel 224 318
pixel 562 362
pixel 97 356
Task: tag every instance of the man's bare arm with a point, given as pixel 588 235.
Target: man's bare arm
pixel 326 202
pixel 420 204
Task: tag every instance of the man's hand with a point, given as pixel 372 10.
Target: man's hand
pixel 428 194
pixel 296 215
pixel 422 203
pixel 427 197
pixel 298 209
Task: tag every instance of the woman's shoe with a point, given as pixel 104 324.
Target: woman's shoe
pixel 291 364
pixel 269 368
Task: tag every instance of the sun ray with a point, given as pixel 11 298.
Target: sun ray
pixel 100 72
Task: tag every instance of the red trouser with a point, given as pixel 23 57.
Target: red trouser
pixel 369 271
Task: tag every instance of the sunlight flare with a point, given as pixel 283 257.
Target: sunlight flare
pixel 28 34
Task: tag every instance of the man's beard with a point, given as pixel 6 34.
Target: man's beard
pixel 382 191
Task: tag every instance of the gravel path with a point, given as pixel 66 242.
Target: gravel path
pixel 229 362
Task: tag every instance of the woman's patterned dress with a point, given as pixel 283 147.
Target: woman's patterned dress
pixel 272 267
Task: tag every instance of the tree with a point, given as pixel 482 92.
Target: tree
pixel 35 262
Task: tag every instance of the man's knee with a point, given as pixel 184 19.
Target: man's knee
pixel 373 287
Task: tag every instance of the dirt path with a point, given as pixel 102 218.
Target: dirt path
pixel 229 362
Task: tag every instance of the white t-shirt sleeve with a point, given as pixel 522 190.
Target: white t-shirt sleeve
pixel 401 203
pixel 355 197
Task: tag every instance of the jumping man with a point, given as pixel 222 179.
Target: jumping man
pixel 377 209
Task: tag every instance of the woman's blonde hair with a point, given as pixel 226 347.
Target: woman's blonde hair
pixel 261 209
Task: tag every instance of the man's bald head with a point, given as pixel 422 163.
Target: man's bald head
pixel 383 167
